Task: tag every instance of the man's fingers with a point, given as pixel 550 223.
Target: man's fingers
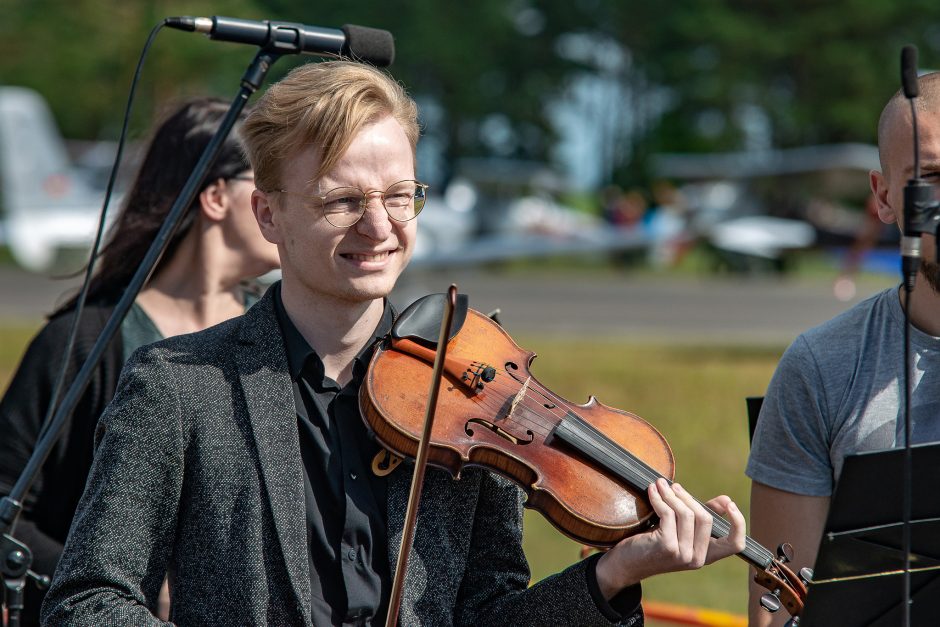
pixel 735 541
pixel 685 522
pixel 719 504
pixel 702 526
pixel 667 517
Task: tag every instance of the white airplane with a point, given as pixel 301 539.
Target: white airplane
pixel 47 204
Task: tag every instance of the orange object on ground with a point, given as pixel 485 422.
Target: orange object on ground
pixel 685 615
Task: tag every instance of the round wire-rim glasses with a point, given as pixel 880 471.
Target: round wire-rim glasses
pixel 344 206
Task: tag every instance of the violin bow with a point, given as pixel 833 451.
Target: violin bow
pixel 421 460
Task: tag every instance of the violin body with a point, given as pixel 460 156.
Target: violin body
pixel 492 412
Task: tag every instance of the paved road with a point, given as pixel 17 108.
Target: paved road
pixel 760 309
pixel 687 310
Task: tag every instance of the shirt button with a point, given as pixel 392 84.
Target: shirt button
pixel 351 555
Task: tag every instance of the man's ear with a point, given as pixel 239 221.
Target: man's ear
pixel 266 215
pixel 879 189
pixel 213 201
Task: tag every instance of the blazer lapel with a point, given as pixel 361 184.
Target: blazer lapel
pixel 262 366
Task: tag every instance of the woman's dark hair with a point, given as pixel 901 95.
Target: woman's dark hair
pixel 171 157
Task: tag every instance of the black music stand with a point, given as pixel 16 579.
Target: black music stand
pixel 858 574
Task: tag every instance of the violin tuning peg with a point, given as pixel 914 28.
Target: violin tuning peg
pixel 770 602
pixel 785 552
pixel 806 575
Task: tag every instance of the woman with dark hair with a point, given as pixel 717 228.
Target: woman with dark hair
pixel 200 281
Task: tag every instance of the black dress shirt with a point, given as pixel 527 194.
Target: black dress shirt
pixel 345 501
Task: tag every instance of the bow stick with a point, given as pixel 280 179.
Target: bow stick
pixel 421 460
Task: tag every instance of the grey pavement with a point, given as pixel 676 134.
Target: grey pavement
pixel 762 310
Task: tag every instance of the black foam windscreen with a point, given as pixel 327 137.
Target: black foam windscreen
pixel 371 45
pixel 909 71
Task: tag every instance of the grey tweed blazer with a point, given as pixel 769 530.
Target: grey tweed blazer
pixel 198 474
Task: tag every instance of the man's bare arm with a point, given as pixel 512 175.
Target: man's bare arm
pixel 776 517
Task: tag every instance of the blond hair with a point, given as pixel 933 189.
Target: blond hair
pixel 324 105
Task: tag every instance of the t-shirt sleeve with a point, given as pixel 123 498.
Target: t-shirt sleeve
pixel 790 450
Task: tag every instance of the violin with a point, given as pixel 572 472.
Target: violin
pixel 585 468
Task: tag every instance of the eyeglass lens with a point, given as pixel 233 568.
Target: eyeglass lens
pixel 344 206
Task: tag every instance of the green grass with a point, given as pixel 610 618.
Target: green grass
pixel 695 398
pixel 13 341
pixel 693 395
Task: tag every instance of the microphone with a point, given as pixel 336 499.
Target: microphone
pixel 909 71
pixel 918 194
pixel 356 42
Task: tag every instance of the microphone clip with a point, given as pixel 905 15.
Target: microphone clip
pixel 921 215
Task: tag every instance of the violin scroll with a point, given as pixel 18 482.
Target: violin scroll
pixel 786 588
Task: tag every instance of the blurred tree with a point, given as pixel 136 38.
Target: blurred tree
pixel 772 73
pixel 81 54
pixel 487 67
pixel 694 75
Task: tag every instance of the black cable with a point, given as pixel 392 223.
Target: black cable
pixel 907 473
pixel 908 383
pixel 99 235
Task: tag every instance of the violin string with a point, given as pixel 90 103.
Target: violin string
pixel 558 404
pixel 639 470
pixel 498 371
pixel 506 372
pixel 537 390
pixel 537 427
pixel 543 426
pixel 513 384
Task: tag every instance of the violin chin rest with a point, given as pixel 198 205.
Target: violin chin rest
pixel 421 320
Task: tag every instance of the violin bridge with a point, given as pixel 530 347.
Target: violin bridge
pixel 519 397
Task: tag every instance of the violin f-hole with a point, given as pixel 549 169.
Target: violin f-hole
pixel 498 431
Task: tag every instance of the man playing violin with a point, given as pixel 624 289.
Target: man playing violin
pixel 236 460
pixel 838 387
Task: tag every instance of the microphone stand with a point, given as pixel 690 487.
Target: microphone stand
pixel 921 215
pixel 16 557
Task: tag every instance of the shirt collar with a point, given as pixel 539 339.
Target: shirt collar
pixel 299 350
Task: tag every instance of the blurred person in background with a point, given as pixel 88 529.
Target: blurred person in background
pixel 667 222
pixel 202 279
pixel 838 388
pixel 865 239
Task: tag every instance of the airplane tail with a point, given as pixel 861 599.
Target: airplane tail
pixel 46 204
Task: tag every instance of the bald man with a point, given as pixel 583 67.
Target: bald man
pixel 838 388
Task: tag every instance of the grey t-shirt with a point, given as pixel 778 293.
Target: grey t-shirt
pixel 836 392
